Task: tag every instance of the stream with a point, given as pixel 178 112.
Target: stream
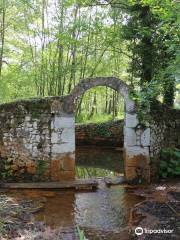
pixel 102 214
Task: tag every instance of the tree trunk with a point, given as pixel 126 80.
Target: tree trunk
pixel 2 35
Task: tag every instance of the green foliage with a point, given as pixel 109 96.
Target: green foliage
pixel 41 167
pixel 5 169
pixel 50 45
pixel 169 89
pixel 102 130
pixel 97 118
pixel 153 36
pixel 91 172
pixel 2 227
pixel 145 99
pixel 81 234
pixel 169 163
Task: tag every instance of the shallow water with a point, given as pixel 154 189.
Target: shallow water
pixel 102 214
pixel 94 161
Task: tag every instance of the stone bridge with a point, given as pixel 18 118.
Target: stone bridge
pixel 37 136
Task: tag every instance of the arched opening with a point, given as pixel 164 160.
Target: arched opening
pixel 136 147
pixel 111 82
pixel 99 104
pixel 99 133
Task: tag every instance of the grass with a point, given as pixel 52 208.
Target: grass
pixel 90 172
pixel 81 234
pixel 98 118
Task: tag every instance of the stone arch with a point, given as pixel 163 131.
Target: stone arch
pixel 43 130
pixel 136 143
pixel 111 82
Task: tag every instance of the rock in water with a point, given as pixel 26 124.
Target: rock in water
pixel 114 181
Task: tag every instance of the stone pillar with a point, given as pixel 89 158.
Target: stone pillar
pixel 62 148
pixel 136 149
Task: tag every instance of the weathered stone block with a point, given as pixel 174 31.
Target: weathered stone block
pixel 130 106
pixel 58 174
pixel 137 158
pixel 145 137
pixel 68 162
pixel 138 169
pixel 67 175
pixel 130 173
pixel 55 138
pixel 62 122
pixel 129 137
pixel 131 120
pixel 132 151
pixel 62 148
pixel 31 168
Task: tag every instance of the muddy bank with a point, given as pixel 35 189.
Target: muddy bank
pixel 158 216
pixel 18 219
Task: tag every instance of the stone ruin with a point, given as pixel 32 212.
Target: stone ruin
pixel 37 136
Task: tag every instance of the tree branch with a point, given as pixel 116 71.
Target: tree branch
pixel 109 3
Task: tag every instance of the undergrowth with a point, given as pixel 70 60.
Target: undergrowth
pixel 169 163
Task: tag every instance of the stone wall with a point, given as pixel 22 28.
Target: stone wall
pixel 136 136
pixel 136 145
pixel 100 134
pixel 37 136
pixel 37 140
pixel 165 131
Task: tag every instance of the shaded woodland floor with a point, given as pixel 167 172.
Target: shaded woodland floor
pixel 160 210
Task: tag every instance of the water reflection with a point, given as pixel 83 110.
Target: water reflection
pixel 58 209
pixel 98 162
pixel 102 214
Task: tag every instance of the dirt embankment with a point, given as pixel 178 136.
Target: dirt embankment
pixel 157 217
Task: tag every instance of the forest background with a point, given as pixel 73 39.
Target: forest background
pixel 47 46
